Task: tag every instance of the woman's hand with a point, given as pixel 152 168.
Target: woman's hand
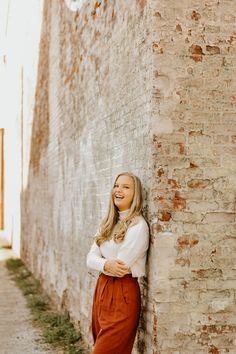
pixel 116 267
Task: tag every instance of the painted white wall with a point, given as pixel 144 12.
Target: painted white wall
pixel 20 26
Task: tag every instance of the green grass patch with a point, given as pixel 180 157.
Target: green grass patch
pixel 14 264
pixel 56 327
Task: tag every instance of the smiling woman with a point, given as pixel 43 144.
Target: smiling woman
pixel 119 253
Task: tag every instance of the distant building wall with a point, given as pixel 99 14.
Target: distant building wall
pixel 20 26
pixel 146 86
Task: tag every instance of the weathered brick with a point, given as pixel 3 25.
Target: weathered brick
pixel 199 183
pixel 219 217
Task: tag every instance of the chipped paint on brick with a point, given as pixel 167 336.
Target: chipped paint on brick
pixel 196 52
pixel 195 16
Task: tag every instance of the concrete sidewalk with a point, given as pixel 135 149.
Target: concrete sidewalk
pixel 17 334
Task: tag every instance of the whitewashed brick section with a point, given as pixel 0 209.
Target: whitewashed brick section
pixel 92 120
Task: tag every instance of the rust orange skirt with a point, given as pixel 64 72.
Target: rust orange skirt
pixel 115 314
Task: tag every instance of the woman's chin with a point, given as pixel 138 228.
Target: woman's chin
pixel 119 206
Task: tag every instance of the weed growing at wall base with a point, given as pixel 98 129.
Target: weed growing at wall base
pixel 57 328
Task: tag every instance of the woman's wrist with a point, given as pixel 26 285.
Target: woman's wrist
pixel 105 266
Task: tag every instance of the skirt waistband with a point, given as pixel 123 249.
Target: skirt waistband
pixel 113 277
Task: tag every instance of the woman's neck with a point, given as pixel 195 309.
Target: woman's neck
pixel 123 213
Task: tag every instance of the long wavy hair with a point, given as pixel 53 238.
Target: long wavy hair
pixel 112 216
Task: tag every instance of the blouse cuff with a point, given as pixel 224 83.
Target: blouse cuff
pixel 101 264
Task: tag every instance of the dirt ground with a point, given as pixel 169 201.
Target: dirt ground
pixel 17 334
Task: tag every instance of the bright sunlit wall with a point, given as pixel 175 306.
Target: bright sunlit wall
pixel 20 26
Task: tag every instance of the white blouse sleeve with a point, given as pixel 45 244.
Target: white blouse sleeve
pixel 95 259
pixel 135 244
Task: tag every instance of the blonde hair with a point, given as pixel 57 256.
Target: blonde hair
pixel 112 216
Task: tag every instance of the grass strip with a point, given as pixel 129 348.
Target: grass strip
pixel 56 327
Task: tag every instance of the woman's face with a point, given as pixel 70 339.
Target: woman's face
pixel 123 192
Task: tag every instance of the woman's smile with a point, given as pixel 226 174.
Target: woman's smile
pixel 119 197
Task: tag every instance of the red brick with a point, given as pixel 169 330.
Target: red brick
pixel 199 183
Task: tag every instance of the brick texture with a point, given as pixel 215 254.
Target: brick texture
pixel 91 121
pixel 193 122
pixel 147 86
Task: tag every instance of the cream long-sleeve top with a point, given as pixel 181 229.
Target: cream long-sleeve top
pixel 132 250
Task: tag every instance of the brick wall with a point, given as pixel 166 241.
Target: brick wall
pixel 146 86
pixel 194 124
pixel 91 121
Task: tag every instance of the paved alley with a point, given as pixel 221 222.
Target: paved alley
pixel 17 335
